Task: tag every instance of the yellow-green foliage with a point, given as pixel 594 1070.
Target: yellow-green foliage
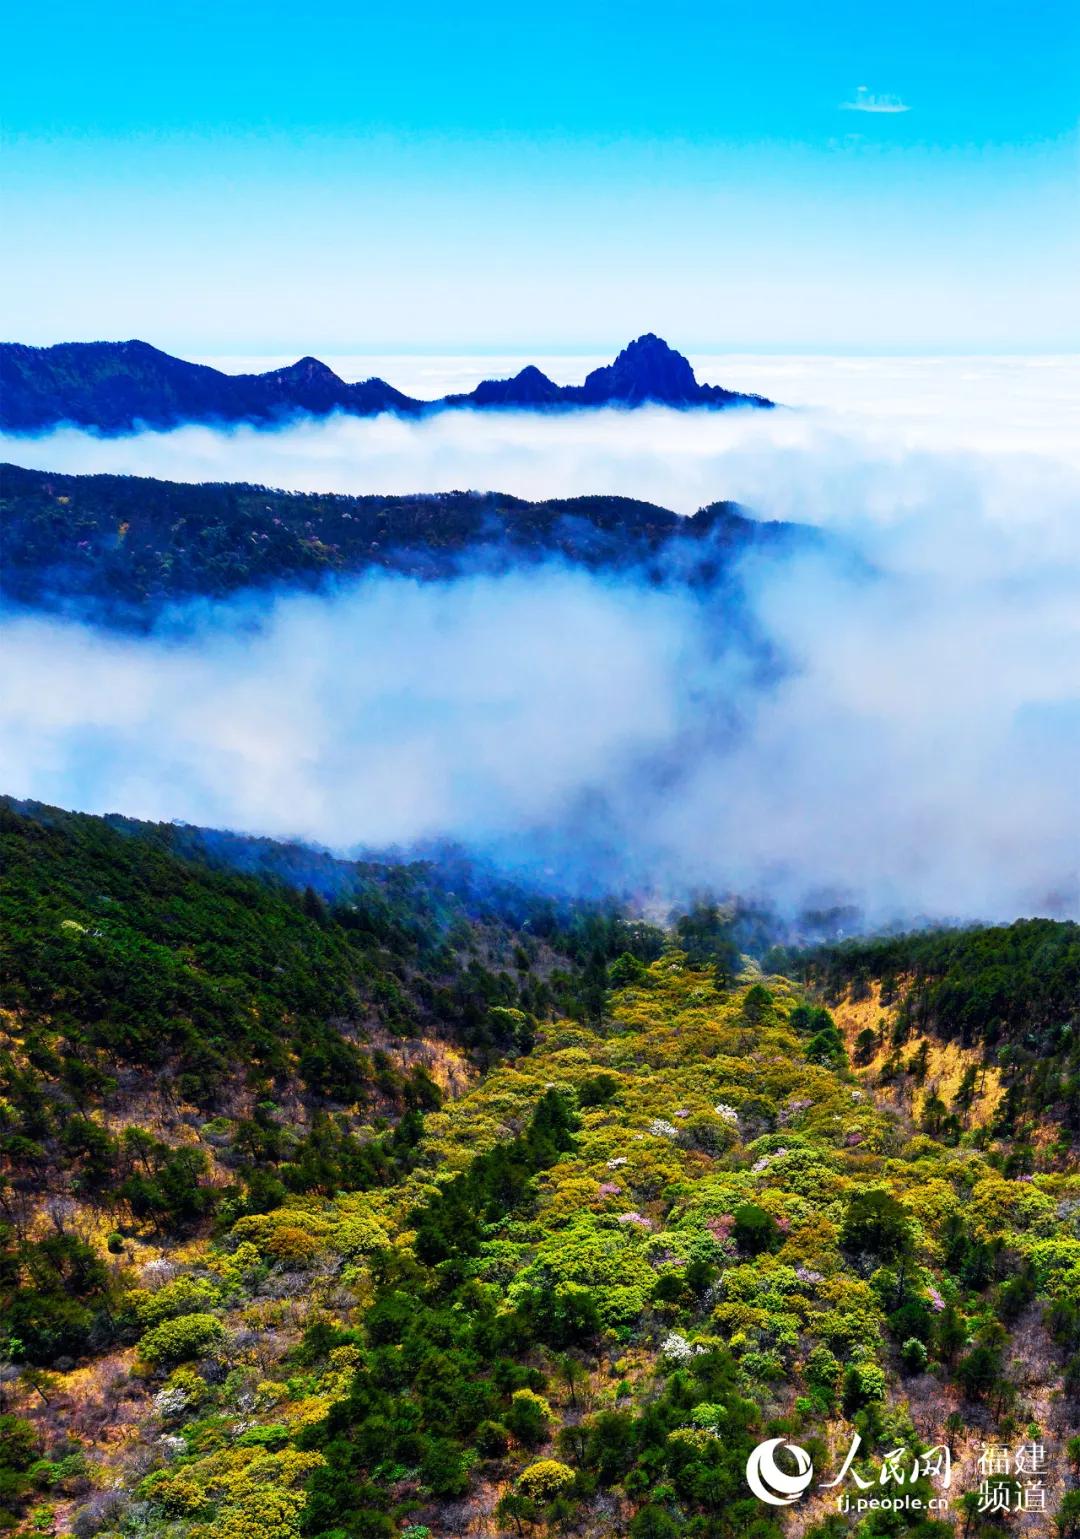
pixel 295 1234
pixel 713 1112
pixel 545 1480
pixel 182 1296
pixel 176 1341
pixel 253 1494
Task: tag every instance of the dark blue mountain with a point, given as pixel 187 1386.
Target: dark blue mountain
pixel 117 387
pixel 123 549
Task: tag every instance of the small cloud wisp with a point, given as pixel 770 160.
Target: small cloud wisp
pixel 870 101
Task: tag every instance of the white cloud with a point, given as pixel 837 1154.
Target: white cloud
pixel 869 101
pixel 867 409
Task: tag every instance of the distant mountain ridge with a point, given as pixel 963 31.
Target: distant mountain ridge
pixel 118 387
pixel 124 547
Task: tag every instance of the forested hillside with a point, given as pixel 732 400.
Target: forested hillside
pixel 121 547
pixel 380 1207
pixel 1009 995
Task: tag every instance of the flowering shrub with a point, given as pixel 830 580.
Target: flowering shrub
pixel 544 1481
pixel 676 1348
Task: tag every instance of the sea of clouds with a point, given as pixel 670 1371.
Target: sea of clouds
pixel 916 748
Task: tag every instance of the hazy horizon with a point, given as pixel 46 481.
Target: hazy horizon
pixel 876 409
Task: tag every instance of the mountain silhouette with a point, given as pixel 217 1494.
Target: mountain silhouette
pixel 118 387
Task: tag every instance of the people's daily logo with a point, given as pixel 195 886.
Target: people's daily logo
pixel 898 1467
pixel 772 1484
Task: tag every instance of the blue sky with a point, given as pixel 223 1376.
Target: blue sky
pixel 558 177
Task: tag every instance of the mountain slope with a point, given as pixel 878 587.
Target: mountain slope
pixel 116 387
pixel 133 544
pixel 143 974
pixel 1005 997
pixel 570 1297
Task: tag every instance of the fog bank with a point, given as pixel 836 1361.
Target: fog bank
pixel 916 748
